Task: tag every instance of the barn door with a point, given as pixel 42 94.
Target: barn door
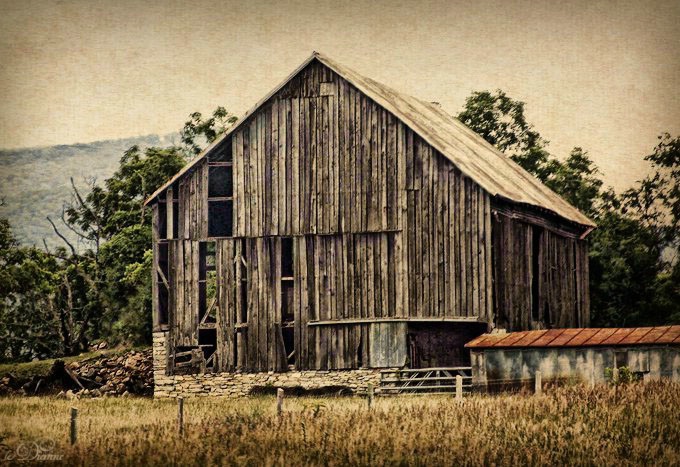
pixel 387 345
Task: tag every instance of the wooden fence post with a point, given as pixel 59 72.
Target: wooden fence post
pixel 369 391
pixel 538 384
pixel 74 428
pixel 279 401
pixel 180 415
pixel 459 387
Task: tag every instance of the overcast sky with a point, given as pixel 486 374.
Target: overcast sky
pixel 601 75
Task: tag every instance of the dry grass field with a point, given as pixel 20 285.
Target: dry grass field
pixel 632 425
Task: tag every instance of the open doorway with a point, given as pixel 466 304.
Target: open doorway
pixel 441 344
pixel 287 302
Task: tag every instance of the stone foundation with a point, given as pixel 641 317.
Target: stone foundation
pixel 241 384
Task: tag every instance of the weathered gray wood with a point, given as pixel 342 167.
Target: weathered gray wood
pixel 385 227
pixel 388 344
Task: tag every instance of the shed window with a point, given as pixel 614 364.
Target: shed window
pixel 621 358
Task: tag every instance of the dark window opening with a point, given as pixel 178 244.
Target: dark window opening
pixel 163 258
pixel 220 218
pixel 220 191
pixel 433 345
pixel 287 280
pixel 289 344
pixel 244 283
pixel 175 219
pixel 220 181
pixel 535 271
pixel 207 342
pixel 287 300
pixel 163 298
pixel 162 281
pixel 286 257
pixel 621 358
pixel 207 284
pixel 360 354
pixel 162 221
pixel 172 211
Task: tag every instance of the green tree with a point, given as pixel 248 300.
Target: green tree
pixel 500 120
pixel 576 180
pixel 199 131
pixel 112 220
pixel 32 321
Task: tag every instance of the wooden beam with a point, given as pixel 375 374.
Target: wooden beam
pixel 338 322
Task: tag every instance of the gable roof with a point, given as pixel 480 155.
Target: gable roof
pixel 579 337
pixel 474 156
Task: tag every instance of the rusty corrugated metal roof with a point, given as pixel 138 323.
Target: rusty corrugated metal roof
pixel 476 158
pixel 579 337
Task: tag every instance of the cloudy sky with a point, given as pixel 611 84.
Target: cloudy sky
pixel 601 75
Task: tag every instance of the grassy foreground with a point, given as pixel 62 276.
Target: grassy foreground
pixel 637 424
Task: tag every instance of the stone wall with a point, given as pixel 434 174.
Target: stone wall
pixel 240 384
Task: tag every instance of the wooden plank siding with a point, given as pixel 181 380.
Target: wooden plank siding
pixel 561 299
pixel 383 226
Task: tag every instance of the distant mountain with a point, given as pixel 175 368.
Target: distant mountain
pixel 34 182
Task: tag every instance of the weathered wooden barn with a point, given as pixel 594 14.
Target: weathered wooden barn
pixel 340 224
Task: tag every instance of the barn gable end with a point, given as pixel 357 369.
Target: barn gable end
pixel 329 229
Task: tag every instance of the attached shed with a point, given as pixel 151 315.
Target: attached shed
pixel 582 354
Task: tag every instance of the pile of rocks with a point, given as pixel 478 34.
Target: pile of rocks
pixel 130 373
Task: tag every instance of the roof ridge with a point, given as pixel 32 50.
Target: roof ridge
pixel 477 159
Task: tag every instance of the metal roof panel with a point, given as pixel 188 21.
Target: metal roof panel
pixel 580 337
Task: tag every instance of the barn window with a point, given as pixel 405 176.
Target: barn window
pixel 287 307
pixel 207 302
pixel 220 181
pixel 162 278
pixel 220 216
pixel 207 283
pixel 173 211
pixel 162 220
pixel 244 281
pixel 220 192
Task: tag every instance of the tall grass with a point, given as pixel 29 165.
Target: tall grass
pixel 633 425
